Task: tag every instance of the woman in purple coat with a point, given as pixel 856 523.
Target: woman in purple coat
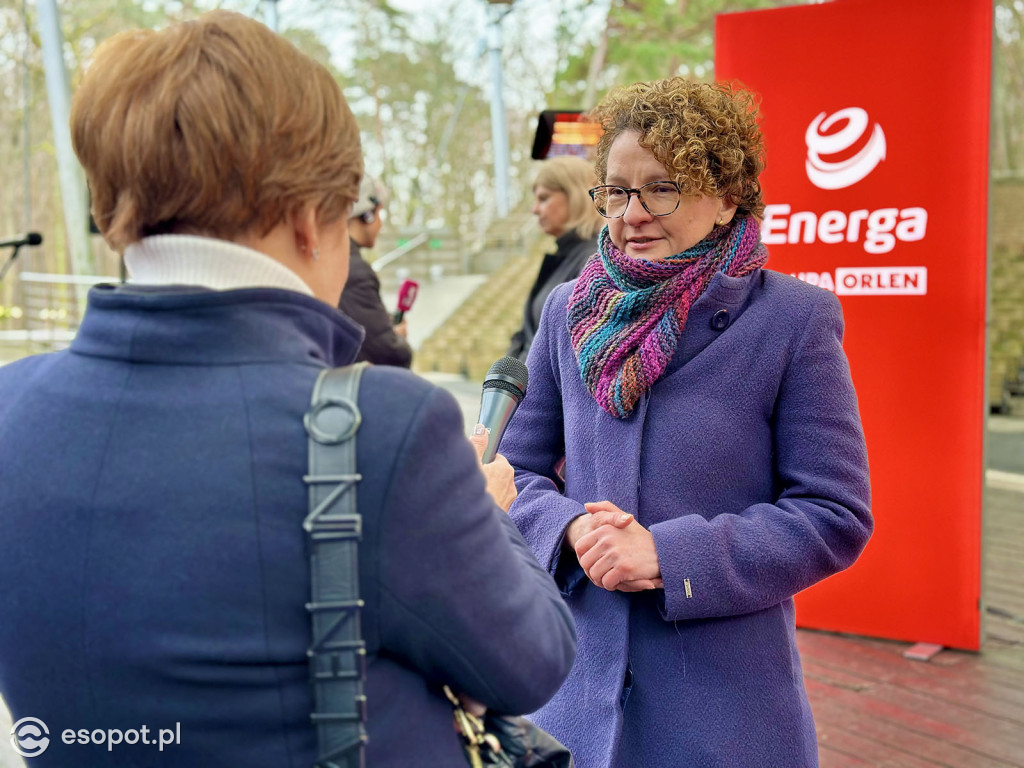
pixel 714 462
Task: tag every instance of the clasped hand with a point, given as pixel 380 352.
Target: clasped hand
pixel 614 550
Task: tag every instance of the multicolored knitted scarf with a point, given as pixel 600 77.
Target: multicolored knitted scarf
pixel 626 315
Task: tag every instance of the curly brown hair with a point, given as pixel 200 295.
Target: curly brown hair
pixel 705 134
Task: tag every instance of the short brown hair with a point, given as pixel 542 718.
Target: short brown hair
pixel 705 134
pixel 212 127
pixel 573 176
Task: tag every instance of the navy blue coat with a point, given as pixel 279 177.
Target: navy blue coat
pixel 747 462
pixel 153 569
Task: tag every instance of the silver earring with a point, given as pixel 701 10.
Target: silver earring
pixel 316 254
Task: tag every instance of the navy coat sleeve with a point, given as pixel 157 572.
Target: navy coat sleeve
pixel 739 563
pixel 476 612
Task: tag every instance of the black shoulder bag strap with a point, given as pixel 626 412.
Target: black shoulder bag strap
pixel 337 658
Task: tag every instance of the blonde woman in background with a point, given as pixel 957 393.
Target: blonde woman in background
pixel 564 210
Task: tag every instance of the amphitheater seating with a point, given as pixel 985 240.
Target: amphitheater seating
pixel 478 332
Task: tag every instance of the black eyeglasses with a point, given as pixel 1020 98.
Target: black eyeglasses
pixel 659 198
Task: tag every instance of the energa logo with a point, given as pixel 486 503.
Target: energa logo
pixel 822 142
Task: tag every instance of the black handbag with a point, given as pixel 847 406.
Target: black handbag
pixel 504 741
pixel 337 658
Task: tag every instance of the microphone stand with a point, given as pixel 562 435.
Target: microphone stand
pixel 10 262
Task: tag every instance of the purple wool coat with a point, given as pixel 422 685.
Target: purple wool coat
pixel 747 463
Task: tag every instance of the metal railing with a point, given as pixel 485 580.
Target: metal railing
pixel 392 256
pixel 47 277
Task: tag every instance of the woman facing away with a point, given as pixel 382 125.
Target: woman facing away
pixel 563 208
pixel 153 564
pixel 714 461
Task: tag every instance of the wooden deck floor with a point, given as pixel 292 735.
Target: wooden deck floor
pixel 962 710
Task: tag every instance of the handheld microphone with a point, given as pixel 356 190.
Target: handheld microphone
pixel 504 389
pixel 31 238
pixel 406 296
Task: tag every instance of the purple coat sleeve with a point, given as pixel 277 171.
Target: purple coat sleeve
pixel 738 563
pixel 535 447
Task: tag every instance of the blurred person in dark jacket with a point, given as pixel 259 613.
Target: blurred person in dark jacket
pixel 385 343
pixel 153 565
pixel 562 205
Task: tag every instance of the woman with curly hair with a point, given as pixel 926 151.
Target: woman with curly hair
pixel 714 461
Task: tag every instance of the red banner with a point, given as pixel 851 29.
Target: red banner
pixel 876 122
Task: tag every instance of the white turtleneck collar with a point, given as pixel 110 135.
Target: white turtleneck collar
pixel 207 262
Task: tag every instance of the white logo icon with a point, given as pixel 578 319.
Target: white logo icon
pixel 30 737
pixel 836 175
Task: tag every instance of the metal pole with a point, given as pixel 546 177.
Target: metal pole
pixel 26 102
pixel 270 14
pixel 72 180
pixel 499 127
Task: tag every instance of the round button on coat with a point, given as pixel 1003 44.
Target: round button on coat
pixel 720 320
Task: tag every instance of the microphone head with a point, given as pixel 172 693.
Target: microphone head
pixel 33 238
pixel 407 295
pixel 508 374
